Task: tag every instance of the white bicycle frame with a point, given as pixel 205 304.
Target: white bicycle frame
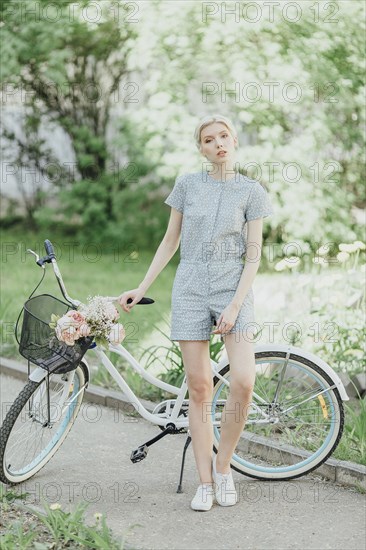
pixel 39 374
pixel 173 417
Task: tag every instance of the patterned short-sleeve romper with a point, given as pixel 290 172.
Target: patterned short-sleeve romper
pixel 212 249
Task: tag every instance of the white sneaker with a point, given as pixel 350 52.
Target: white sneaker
pixel 224 486
pixel 203 498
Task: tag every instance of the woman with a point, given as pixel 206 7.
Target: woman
pixel 211 210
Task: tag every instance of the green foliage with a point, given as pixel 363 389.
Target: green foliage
pixel 347 351
pixel 9 346
pixel 17 538
pixel 355 427
pixel 78 76
pixel 72 70
pixel 67 529
pixel 343 343
pixel 14 537
pixel 95 270
pixel 8 496
pixel 169 359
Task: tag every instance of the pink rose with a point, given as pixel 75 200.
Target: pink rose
pixel 59 330
pixel 68 335
pixel 64 323
pixel 117 334
pixel 76 316
pixel 70 319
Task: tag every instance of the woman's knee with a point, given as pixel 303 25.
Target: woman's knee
pixel 243 387
pixel 200 389
pixel 197 366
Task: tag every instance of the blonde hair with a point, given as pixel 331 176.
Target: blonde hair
pixel 209 119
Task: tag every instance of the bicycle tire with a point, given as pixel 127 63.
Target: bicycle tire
pixel 238 464
pixel 15 411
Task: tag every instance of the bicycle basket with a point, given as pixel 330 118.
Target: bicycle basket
pixel 38 341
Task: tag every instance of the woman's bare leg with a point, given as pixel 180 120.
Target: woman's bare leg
pixel 196 360
pixel 240 350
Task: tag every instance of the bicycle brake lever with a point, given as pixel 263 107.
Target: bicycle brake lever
pixel 34 254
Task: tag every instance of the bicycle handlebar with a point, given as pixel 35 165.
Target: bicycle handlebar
pixel 143 300
pixel 51 258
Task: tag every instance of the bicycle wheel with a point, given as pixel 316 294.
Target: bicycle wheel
pixel 35 427
pixel 294 423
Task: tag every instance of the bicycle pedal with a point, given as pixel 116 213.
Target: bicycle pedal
pixel 139 454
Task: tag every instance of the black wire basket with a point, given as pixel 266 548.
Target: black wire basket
pixel 38 341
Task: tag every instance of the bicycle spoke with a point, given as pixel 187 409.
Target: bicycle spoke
pixel 291 419
pixel 309 398
pixel 32 438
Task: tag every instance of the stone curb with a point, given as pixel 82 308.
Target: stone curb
pixel 339 471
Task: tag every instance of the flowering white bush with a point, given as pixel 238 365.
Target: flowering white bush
pixel 97 318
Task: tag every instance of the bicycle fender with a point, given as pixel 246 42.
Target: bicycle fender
pixel 39 374
pixel 302 353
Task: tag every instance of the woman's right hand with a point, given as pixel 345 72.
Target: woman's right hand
pixel 136 294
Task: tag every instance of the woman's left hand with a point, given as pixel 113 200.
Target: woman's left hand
pixel 227 319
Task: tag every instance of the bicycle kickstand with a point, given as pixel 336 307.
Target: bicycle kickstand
pixel 188 440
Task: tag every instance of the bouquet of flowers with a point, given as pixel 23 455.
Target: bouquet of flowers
pixel 97 318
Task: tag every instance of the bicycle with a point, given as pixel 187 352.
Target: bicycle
pixel 295 420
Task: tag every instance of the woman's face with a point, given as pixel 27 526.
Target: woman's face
pixel 215 138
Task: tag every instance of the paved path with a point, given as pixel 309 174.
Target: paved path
pixel 93 465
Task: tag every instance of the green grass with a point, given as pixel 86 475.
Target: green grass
pixel 85 272
pixel 53 527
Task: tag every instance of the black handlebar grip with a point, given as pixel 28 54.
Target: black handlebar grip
pixel 142 301
pixel 49 249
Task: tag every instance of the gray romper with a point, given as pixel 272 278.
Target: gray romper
pixel 213 243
